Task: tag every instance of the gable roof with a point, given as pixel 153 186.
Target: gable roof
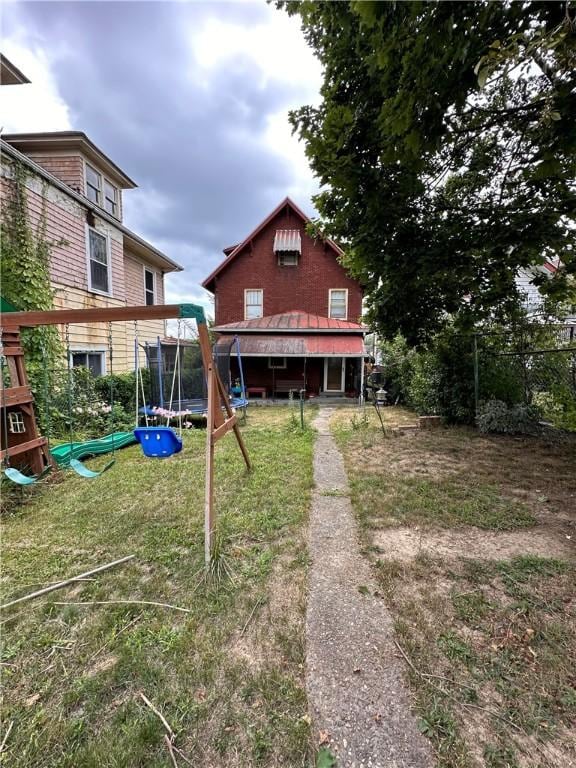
pixel 10 74
pixel 208 283
pixel 295 320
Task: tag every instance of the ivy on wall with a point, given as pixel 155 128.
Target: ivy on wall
pixel 25 272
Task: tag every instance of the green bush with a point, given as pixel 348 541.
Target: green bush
pixel 496 416
pixel 124 389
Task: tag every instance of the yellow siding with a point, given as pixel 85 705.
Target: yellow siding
pixel 94 337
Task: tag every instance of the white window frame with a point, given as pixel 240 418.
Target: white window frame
pixel 100 189
pixel 252 290
pixel 337 290
pixel 17 425
pixel 277 367
pixel 105 197
pixel 342 375
pixel 101 202
pixel 154 291
pixel 83 351
pixel 89 259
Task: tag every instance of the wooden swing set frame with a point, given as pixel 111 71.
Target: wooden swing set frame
pixel 33 451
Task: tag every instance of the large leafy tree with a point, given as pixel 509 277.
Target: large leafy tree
pixel 445 143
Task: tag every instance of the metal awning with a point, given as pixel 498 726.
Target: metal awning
pixel 329 345
pixel 287 241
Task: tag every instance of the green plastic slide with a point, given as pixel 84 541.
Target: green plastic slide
pixel 67 451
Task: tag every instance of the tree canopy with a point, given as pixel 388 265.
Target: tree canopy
pixel 445 144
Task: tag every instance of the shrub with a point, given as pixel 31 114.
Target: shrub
pixel 496 416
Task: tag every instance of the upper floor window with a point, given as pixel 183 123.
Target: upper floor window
pixel 288 259
pixel 99 263
pixel 288 247
pixel 100 191
pixel 253 303
pixel 110 198
pixel 149 287
pixel 93 185
pixel 338 303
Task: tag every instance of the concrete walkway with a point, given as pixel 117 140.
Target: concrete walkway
pixel 353 675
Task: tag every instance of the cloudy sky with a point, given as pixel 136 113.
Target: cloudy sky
pixel 190 99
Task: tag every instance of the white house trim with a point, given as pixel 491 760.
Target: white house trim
pixel 342 373
pixel 339 290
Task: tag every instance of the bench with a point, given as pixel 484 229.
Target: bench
pixel 288 385
pixel 256 391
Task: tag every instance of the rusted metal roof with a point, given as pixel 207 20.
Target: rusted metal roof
pixel 295 320
pixel 299 346
pixel 287 241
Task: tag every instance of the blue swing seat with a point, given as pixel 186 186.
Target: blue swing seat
pixel 158 442
pixel 20 478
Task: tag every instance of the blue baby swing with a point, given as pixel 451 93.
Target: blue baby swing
pixel 158 442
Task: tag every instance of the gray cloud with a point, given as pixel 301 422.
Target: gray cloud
pixel 128 73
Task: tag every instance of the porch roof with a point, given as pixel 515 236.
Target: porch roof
pixel 298 346
pixel 293 321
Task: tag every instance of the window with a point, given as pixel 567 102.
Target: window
pixel 110 198
pixel 276 362
pixel 93 185
pixel 253 303
pixel 149 287
pixel 288 259
pixel 94 361
pixel 98 262
pixel 16 421
pixel 100 191
pixel 338 303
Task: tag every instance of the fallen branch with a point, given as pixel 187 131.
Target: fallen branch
pixel 65 583
pixel 458 701
pixel 5 739
pixel 256 604
pixel 129 602
pixel 158 714
pixel 425 674
pixel 171 750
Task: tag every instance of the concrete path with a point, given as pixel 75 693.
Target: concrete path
pixel 353 675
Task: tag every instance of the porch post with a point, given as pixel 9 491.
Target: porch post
pixel 361 398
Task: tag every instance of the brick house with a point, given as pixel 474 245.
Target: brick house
pixel 293 307
pixel 95 260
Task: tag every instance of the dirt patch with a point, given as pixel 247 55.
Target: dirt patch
pixel 101 665
pixel 407 543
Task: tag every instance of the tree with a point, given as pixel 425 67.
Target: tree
pixel 445 144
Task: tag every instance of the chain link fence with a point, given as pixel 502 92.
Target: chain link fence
pixel 532 370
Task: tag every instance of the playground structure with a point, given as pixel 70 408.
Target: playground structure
pixel 23 446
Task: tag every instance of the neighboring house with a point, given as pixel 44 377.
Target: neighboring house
pixel 10 74
pixel 293 306
pixel 530 293
pixel 95 260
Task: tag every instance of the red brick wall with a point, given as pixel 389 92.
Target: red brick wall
pixel 304 287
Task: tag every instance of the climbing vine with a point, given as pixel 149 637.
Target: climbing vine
pixel 25 272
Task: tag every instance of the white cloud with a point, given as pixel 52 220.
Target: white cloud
pixel 36 106
pixel 276 46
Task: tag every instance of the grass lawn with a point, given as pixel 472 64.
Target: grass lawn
pixel 472 541
pixel 228 675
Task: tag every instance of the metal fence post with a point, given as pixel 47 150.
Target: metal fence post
pixel 476 376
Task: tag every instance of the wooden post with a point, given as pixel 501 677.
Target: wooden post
pixel 209 484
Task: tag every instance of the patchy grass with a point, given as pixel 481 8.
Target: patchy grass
pixel 228 675
pixel 491 640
